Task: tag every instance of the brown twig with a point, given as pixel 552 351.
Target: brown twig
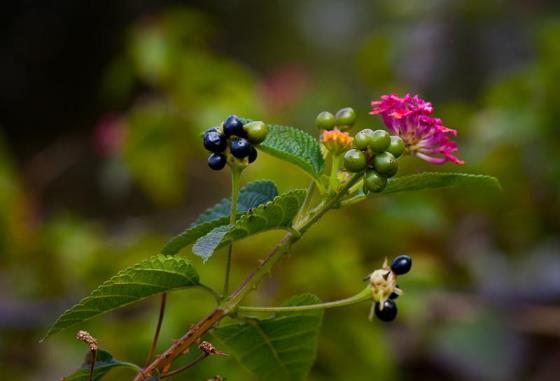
pixel 158 328
pixel 185 367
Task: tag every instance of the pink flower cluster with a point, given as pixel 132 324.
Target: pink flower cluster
pixel 424 136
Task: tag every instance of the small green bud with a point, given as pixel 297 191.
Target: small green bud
pixel 397 146
pixel 325 121
pixel 386 164
pixel 355 160
pixel 256 131
pixel 379 141
pixel 374 182
pixel 345 118
pixel 362 139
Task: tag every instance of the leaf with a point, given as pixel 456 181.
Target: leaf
pixel 152 276
pixel 294 146
pixel 431 180
pixel 275 214
pixel 279 348
pixel 104 362
pixel 250 196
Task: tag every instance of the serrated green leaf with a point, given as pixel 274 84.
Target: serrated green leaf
pixel 276 214
pixel 155 275
pixel 294 146
pixel 431 180
pixel 104 362
pixel 281 348
pixel 250 196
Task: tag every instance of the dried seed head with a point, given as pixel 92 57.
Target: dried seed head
pixel 87 338
pixel 383 283
pixel 210 349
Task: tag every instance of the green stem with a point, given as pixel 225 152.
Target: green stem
pixel 235 174
pixel 362 296
pixel 353 200
pixel 336 164
pixel 306 201
pixel 282 247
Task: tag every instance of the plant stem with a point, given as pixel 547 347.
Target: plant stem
pixel 235 174
pixel 92 367
pixel 230 304
pixel 335 166
pixel 158 328
pixel 185 367
pixel 362 296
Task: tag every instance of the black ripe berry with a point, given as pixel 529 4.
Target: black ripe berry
pixel 240 148
pixel 217 161
pixel 252 154
pixel 401 264
pixel 393 295
pixel 389 311
pixel 214 141
pixel 233 126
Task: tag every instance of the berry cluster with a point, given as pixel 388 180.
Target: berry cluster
pixel 385 289
pixel 343 120
pixel 375 153
pixel 233 138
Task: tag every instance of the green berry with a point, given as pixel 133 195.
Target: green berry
pixel 362 139
pixel 379 141
pixel 386 164
pixel 374 182
pixel 325 121
pixel 345 118
pixel 256 131
pixel 355 160
pixel 396 147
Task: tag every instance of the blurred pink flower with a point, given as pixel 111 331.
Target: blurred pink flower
pixel 109 134
pixel 424 136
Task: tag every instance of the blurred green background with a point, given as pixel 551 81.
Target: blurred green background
pixel 101 107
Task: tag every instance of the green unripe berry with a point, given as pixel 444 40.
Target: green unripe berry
pixel 396 147
pixel 362 138
pixel 379 141
pixel 256 131
pixel 374 182
pixel 345 118
pixel 386 164
pixel 355 160
pixel 325 121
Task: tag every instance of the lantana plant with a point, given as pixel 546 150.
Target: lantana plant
pixel 344 169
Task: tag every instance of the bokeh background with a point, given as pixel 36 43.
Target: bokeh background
pixel 101 107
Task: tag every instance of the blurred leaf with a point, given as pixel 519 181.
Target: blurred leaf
pixel 431 180
pixel 152 276
pixel 103 364
pixel 295 146
pixel 250 196
pixel 279 348
pixel 275 214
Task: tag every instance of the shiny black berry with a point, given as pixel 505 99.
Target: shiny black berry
pixel 217 161
pixel 394 295
pixel 252 154
pixel 401 264
pixel 214 141
pixel 233 126
pixel 389 311
pixel 240 148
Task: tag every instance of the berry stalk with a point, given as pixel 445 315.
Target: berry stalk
pixel 362 296
pixel 235 175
